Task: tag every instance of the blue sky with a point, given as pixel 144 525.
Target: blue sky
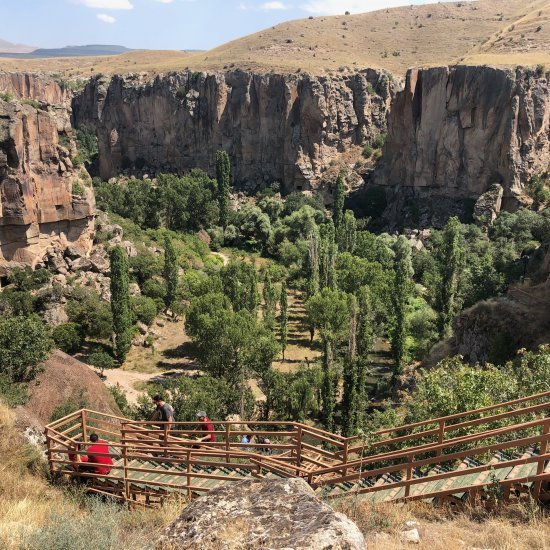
pixel 160 24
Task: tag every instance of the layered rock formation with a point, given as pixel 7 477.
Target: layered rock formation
pixel 284 128
pixel 266 514
pixel 46 203
pixel 453 132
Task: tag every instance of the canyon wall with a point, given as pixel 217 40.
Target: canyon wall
pixel 284 128
pixel 46 202
pixel 455 131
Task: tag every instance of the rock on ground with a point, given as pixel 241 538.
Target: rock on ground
pixel 264 514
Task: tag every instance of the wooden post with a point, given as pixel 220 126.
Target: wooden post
pixel 49 451
pixel 165 430
pixel 189 472
pixel 125 463
pixel 345 456
pixel 298 448
pixel 227 441
pixel 84 423
pixel 540 464
pixel 440 436
pixel 410 459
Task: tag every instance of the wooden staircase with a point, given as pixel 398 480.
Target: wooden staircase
pixel 457 458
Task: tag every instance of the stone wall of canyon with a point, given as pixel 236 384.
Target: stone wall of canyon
pixel 284 128
pixel 453 132
pixel 46 203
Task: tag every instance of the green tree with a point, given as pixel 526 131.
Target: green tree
pixel 450 256
pixel 347 232
pixel 240 284
pixel 328 251
pixel 401 295
pixel 24 343
pixel 67 337
pixel 101 360
pixel 350 400
pixel 339 198
pixel 120 303
pixel 90 313
pixel 170 272
pixel 312 265
pixel 270 301
pixel 283 318
pixel 328 311
pixel 229 344
pixel 223 176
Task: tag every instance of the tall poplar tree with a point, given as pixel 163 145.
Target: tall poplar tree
pixel 170 272
pixel 339 198
pixel 401 295
pixel 120 303
pixel 451 255
pixel 283 318
pixel 312 285
pixel 350 401
pixel 223 177
pixel 328 250
pixel 270 301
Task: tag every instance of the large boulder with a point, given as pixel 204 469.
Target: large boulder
pixel 266 514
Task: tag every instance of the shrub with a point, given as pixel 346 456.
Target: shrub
pixel 368 151
pixel 33 103
pixel 13 393
pixel 6 96
pixel 86 309
pixel 101 360
pixel 76 402
pixel 541 69
pixel 24 344
pixel 154 289
pixel 68 337
pixel 379 141
pixel 144 309
pixel 77 188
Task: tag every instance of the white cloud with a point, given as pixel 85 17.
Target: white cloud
pixel 338 7
pixel 266 6
pixel 165 1
pixel 107 4
pixel 273 6
pixel 106 18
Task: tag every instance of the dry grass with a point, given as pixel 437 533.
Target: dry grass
pixel 520 526
pixel 503 32
pixel 35 514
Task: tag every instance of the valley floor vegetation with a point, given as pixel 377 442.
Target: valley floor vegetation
pixel 354 288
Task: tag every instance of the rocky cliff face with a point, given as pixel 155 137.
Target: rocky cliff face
pixel 46 203
pixel 274 127
pixel 453 132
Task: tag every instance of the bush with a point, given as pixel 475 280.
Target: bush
pixel 6 96
pixel 85 308
pixel 32 103
pixel 24 344
pixel 154 289
pixel 101 360
pixel 144 309
pixel 379 141
pixel 368 151
pixel 76 402
pixel 13 393
pixel 68 337
pixel 77 189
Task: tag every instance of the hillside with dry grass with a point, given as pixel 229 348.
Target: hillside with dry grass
pixel 498 32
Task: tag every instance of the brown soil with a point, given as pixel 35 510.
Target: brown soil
pixel 64 379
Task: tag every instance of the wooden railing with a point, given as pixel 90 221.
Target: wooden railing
pixel 298 450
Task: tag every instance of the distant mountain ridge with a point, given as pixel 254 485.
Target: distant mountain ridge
pixel 9 47
pixel 67 51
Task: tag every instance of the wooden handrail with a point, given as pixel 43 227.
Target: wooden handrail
pixel 460 415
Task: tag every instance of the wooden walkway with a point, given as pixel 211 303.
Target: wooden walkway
pixel 454 458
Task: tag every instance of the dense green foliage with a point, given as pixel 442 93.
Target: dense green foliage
pixel 120 303
pixel 223 177
pixel 170 272
pixel 67 337
pixel 24 343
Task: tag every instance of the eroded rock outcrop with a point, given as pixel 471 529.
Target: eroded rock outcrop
pixel 46 202
pixel 284 128
pixel 265 514
pixel 453 132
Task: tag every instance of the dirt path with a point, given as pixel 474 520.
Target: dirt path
pixel 223 256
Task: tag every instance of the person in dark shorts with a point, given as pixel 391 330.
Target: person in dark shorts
pixel 163 412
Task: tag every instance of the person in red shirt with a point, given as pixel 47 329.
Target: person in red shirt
pixel 98 446
pixel 75 458
pixel 206 426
